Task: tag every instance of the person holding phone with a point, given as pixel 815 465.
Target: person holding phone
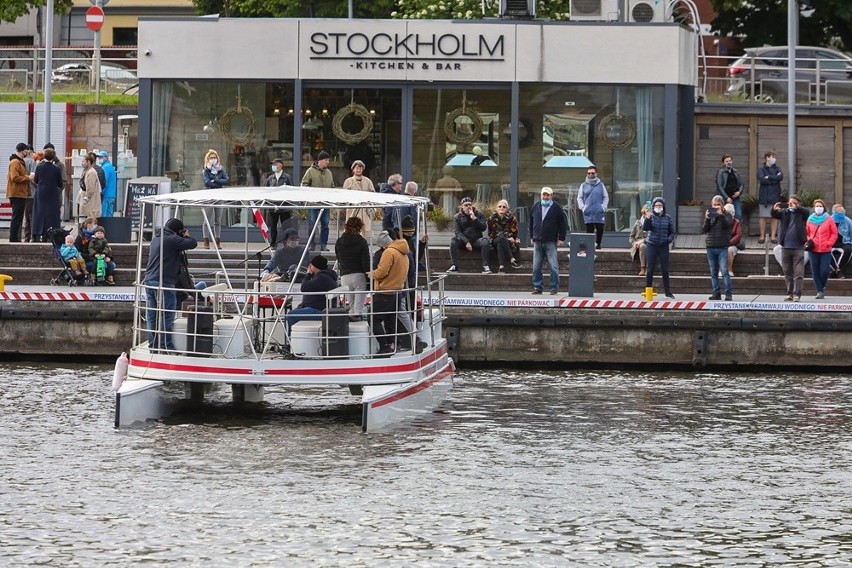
pixel 717 227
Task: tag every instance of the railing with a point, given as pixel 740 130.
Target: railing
pixel 22 70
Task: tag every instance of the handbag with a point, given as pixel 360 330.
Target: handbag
pixel 809 244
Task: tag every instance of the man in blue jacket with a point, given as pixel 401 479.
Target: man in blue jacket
pixel 320 278
pixel 547 232
pixel 110 188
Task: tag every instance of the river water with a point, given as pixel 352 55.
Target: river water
pixel 518 468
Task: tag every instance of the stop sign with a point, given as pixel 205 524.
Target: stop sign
pixel 94 18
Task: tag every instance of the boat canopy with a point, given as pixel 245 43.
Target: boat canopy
pixel 285 196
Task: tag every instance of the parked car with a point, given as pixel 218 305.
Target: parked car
pixel 822 75
pixel 112 76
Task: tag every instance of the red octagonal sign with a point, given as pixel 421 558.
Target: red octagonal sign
pixel 94 18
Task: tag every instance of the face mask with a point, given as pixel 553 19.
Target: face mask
pixel 591 177
pixel 819 210
pixel 546 201
pixel 658 210
pixel 838 217
pixel 729 166
pixel 292 244
pixel 213 161
pixel 770 161
pixel 274 169
pixel 101 161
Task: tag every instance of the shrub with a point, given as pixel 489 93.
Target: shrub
pixel 440 218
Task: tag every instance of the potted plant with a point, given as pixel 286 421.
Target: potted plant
pixel 690 217
pixel 749 204
pixel 440 218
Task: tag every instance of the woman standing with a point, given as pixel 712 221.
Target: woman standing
pixel 822 230
pixel 353 257
pixel 592 199
pixel 214 176
pixel 47 198
pixel 89 198
pixel 503 232
pixel 638 247
pixel 661 233
pixel 360 182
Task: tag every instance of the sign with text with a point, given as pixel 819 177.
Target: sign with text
pixel 138 188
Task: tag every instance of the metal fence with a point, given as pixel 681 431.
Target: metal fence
pixel 22 70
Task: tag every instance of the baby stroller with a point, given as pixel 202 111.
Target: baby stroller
pixel 57 239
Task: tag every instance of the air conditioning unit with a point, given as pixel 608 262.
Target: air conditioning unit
pixel 594 10
pixel 519 9
pixel 644 11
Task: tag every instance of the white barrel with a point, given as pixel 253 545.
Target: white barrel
pixel 305 339
pixel 361 345
pixel 431 319
pixel 231 339
pixel 179 329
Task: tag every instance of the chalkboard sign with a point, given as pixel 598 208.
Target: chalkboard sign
pixel 137 188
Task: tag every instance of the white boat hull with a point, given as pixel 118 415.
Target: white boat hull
pixel 139 401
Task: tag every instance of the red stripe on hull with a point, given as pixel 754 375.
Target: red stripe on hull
pixel 447 371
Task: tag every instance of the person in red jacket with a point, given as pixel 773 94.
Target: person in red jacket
pixel 822 230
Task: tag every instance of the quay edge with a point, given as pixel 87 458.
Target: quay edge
pixel 793 340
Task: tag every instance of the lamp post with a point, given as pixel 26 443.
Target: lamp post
pixel 792 40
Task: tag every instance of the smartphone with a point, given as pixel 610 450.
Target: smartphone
pixel 712 212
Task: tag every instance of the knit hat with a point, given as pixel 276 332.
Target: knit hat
pixel 175 225
pixel 407 226
pixel 659 200
pixel 383 239
pixel 320 262
pixel 466 200
pixel 289 233
pixel 323 155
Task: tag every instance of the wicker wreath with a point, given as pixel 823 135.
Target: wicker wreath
pixel 225 125
pixel 450 126
pixel 624 123
pixel 361 112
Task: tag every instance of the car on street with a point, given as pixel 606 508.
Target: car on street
pixel 822 75
pixel 112 76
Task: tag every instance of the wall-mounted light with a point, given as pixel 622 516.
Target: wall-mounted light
pixel 290 112
pixel 277 112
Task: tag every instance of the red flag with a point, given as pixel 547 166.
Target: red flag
pixel 261 223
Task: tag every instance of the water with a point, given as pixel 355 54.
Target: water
pixel 520 468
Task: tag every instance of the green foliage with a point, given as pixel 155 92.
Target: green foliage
pixel 11 10
pixel 764 22
pixel 808 196
pixel 293 8
pixel 749 203
pixel 472 9
pixel 88 98
pixel 440 217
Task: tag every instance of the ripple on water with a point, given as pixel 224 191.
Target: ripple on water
pixel 518 468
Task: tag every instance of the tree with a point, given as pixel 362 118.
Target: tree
pixel 11 10
pixel 472 9
pixel 764 22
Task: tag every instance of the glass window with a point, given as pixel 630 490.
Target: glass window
pixel 125 36
pixel 618 129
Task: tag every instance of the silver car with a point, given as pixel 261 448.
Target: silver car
pixel 823 76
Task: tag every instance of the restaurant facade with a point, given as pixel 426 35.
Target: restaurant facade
pixel 485 109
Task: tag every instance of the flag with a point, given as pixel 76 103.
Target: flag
pixel 261 223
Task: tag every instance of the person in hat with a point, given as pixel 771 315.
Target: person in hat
pixel 161 276
pixel 470 225
pixel 659 227
pixel 547 232
pixel 353 257
pixel 277 178
pixel 110 187
pixel 390 275
pixel 286 260
pixel 318 175
pixel 18 190
pixel 318 280
pixel 360 182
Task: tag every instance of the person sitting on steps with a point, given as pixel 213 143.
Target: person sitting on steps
pixel 470 225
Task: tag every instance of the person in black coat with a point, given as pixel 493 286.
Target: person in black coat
pixel 320 278
pixel 353 258
pixel 47 199
pixel 275 216
pixel 470 226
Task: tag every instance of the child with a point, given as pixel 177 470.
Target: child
pixel 100 251
pixel 72 256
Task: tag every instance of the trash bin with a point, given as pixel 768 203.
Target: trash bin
pixel 581 272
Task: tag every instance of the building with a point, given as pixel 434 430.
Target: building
pixel 502 107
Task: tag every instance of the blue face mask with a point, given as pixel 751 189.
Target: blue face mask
pixel 838 217
pixel 546 202
pixel 273 169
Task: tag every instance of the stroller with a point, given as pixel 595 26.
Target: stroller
pixel 57 239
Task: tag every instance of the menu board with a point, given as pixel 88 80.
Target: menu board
pixel 136 189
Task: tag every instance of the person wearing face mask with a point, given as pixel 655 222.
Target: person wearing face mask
pixel 214 176
pixel 659 227
pixel 89 198
pixel 729 185
pixel 111 185
pixel 844 239
pixel 822 230
pixel 285 260
pixel 592 199
pixel 769 176
pixel 275 216
pixel 791 238
pixel 548 228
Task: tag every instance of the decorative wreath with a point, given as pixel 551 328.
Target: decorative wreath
pixel 361 112
pixel 618 131
pixel 450 126
pixel 251 124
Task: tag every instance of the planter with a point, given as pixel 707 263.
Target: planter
pixel 690 219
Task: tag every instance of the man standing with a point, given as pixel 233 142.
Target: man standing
pixel 792 236
pixel 275 216
pixel 729 185
pixel 390 215
pixel 160 278
pixel 547 232
pixel 470 225
pixel 28 208
pixel 717 225
pixel 389 279
pixel 18 190
pixel 318 175
pixel 110 187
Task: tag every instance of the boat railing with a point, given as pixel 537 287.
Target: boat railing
pixel 239 323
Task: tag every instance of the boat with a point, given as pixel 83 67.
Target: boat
pixel 234 332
